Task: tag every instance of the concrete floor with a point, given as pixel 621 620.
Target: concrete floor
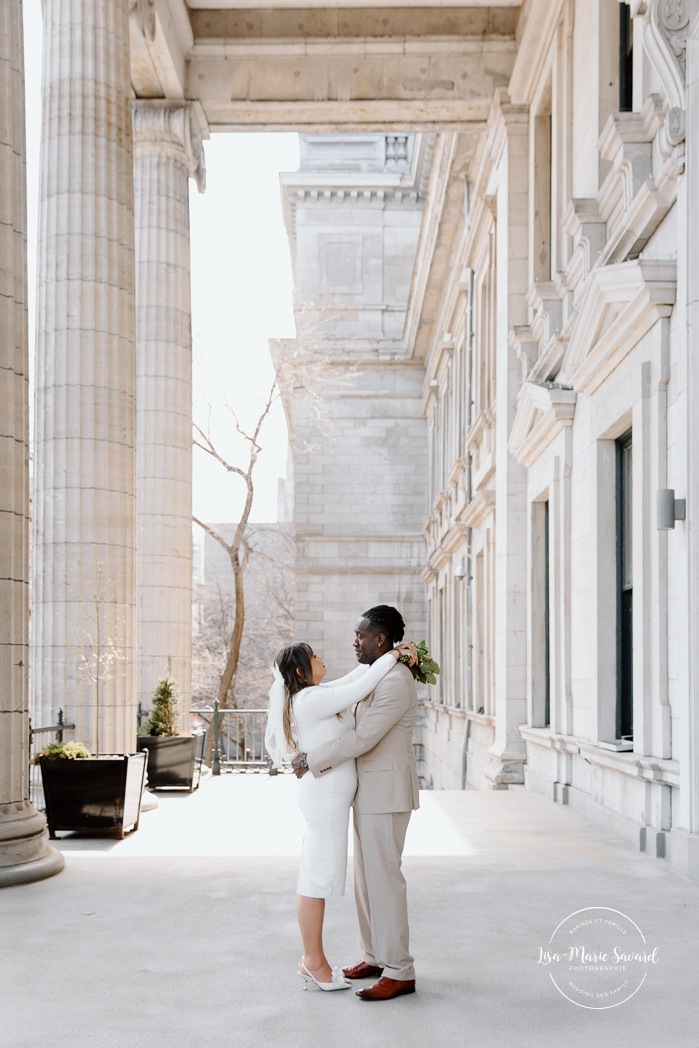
pixel 184 934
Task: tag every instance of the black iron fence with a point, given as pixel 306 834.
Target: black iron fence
pixel 37 740
pixel 238 737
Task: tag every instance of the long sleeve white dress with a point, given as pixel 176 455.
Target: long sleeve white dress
pixel 325 802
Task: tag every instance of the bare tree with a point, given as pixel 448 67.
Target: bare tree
pixel 268 613
pixel 238 549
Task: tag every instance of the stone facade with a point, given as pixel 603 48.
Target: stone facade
pixel 494 379
pixel 352 397
pixel 561 339
pixel 547 321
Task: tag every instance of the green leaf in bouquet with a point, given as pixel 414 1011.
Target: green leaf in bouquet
pixel 426 669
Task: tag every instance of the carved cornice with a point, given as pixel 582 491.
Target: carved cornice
pixel 177 131
pixel 631 201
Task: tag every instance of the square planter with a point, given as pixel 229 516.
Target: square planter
pixel 96 793
pixel 173 760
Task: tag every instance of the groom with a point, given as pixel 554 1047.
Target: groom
pixel 387 792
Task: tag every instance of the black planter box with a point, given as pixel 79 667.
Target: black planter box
pixel 97 794
pixel 173 760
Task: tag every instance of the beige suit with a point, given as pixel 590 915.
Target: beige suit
pixel 387 792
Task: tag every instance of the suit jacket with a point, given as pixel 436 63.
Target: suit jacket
pixel 382 743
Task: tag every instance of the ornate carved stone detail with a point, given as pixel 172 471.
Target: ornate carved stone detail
pixel 665 38
pixel 142 12
pixel 178 130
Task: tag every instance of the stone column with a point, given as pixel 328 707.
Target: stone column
pixel 508 751
pixel 83 624
pixel 24 854
pixel 167 151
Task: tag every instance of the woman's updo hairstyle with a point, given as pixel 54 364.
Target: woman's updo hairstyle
pixel 295 666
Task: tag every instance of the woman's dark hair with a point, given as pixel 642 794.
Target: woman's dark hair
pixel 295 666
pixel 385 619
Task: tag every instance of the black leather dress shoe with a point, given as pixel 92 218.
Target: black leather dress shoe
pixel 386 989
pixel 361 970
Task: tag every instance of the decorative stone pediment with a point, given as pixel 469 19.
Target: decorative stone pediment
pixel 479 508
pixel 621 303
pixel 543 410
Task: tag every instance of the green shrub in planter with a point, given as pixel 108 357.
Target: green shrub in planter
pixel 163 718
pixel 174 760
pixel 63 751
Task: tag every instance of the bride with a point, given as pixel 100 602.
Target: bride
pixel 303 713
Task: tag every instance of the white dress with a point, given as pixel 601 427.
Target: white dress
pixel 325 802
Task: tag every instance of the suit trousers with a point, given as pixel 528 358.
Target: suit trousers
pixel 380 891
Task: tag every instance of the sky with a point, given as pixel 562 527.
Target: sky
pixel 241 291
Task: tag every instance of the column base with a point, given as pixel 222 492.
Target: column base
pixel 25 856
pixel 504 770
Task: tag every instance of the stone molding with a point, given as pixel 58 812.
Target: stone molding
pixel 353 196
pixel 659 770
pixel 543 410
pixel 587 227
pixel 535 33
pixel 175 130
pixel 621 303
pixel 631 201
pixel 481 506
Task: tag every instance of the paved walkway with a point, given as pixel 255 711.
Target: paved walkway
pixel 184 934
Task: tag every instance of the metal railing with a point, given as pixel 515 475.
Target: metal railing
pixel 36 789
pixel 238 737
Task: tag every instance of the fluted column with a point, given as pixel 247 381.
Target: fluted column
pixel 167 151
pixel 24 854
pixel 83 622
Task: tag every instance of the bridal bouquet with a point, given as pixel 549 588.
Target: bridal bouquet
pixel 425 669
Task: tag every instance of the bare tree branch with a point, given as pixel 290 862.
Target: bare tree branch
pixel 238 549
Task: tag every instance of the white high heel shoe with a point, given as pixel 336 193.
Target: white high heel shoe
pixel 338 981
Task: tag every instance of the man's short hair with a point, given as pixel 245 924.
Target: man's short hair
pixel 385 619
